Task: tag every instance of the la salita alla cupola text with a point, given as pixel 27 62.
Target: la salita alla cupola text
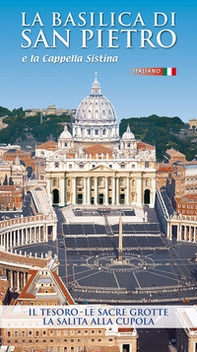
pixel 94 165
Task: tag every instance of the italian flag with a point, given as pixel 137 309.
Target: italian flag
pixel 155 71
pixel 169 71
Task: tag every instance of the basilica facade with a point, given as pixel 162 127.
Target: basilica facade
pixel 94 165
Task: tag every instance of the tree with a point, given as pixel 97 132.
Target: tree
pixel 29 171
pixel 5 182
pixel 11 182
pixel 186 126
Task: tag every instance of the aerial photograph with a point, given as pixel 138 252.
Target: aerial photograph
pixel 98 176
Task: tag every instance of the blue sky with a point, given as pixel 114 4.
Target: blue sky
pixel 37 85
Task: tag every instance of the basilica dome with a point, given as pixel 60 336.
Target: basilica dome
pixel 96 107
pixel 128 141
pixel 95 120
pixel 128 135
pixel 65 134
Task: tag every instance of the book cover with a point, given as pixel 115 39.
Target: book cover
pixel 141 56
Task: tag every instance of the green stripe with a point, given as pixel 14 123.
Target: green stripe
pixel 165 71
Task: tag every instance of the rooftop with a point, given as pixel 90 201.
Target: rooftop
pixel 50 145
pixel 192 198
pixel 98 149
pixel 164 167
pixel 173 152
pixel 143 146
pixel 31 289
pixel 21 259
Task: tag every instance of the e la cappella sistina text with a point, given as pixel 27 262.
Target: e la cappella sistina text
pixel 102 30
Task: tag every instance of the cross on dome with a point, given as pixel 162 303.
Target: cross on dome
pixel 95 76
pixel 96 89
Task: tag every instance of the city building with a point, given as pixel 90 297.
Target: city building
pixel 185 178
pixel 193 123
pixel 25 157
pixel 176 195
pixel 93 165
pixel 164 172
pixel 187 205
pixel 172 155
pixel 177 175
pixel 6 147
pixel 12 173
pixel 45 288
pixel 5 171
pixel 50 110
pixel 11 197
pixel 15 266
pixel 42 152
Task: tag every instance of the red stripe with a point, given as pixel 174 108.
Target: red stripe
pixel 173 71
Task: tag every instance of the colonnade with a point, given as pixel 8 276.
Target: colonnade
pixel 182 229
pixel 22 236
pixel 23 231
pixel 17 278
pixel 188 233
pixel 102 190
pixel 107 190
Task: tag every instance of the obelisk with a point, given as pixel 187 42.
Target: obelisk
pixel 120 241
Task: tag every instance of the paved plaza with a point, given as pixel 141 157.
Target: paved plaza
pixel 152 270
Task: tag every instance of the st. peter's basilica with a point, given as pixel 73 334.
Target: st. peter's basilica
pixel 94 165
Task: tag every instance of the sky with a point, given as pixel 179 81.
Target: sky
pixel 29 84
